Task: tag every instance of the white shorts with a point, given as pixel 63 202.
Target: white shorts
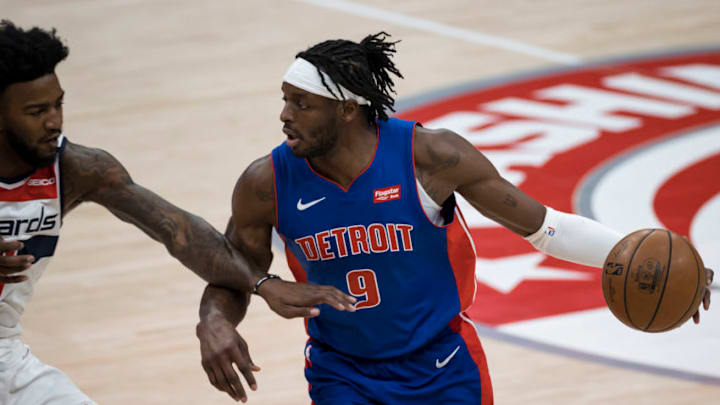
pixel 24 380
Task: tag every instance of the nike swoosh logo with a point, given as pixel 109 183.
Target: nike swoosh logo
pixel 441 364
pixel 303 207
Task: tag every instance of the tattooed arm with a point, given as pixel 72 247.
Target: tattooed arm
pixel 446 162
pixel 94 175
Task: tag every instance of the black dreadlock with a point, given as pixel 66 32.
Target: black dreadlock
pixel 362 68
pixel 27 55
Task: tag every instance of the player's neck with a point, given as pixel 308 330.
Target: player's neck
pixel 11 165
pixel 351 155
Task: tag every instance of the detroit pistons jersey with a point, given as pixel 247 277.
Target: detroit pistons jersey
pixel 374 241
pixel 30 212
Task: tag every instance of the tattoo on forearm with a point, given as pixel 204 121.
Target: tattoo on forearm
pixel 510 201
pixel 94 175
pixel 188 238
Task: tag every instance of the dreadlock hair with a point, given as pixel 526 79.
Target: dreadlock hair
pixel 27 55
pixel 362 68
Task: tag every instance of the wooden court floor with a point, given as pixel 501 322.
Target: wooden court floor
pixel 186 94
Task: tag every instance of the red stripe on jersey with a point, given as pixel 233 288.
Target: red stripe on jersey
pixel 468 333
pixel 298 272
pixel 277 217
pixel 42 185
pixel 462 260
pixel 297 269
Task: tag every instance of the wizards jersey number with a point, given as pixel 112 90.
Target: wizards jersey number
pixel 362 284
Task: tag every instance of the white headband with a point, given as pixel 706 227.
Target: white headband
pixel 304 75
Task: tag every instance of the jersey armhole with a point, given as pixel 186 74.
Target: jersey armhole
pixel 59 175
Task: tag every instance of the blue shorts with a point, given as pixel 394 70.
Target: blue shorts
pixel 450 369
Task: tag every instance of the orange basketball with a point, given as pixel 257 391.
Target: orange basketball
pixel 653 280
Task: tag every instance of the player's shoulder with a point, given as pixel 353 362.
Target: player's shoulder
pixel 259 172
pixel 433 145
pixel 256 182
pixel 89 168
pixel 79 156
pixel 423 134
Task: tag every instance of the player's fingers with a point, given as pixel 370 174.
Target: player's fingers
pixel 335 298
pixel 706 300
pixel 217 379
pixel 709 275
pixel 232 381
pixel 347 300
pixel 246 367
pixel 13 264
pixel 249 377
pixel 12 279
pixel 6 271
pixel 243 366
pixel 212 375
pixel 10 246
pixel 291 311
pixel 696 317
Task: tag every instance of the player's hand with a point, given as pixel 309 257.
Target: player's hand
pixel 220 347
pixel 10 264
pixel 706 299
pixel 293 300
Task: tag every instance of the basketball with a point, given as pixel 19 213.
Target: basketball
pixel 653 280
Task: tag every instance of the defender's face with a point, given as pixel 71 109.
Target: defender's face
pixel 31 119
pixel 310 122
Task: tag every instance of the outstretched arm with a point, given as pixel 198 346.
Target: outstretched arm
pixel 445 162
pixel 94 175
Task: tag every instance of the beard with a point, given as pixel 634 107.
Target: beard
pixel 325 140
pixel 324 144
pixel 31 156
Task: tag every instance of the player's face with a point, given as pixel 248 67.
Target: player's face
pixel 310 122
pixel 31 119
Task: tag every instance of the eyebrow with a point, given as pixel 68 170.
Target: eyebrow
pixel 41 105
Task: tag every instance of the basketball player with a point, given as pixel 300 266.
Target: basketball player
pixel 43 176
pixel 366 203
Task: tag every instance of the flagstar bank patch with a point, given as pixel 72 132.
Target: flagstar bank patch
pixel 633 144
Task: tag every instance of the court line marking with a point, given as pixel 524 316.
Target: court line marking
pixel 445 30
pixel 493 333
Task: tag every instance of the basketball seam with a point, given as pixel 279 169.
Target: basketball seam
pixel 697 265
pixel 667 276
pixel 627 274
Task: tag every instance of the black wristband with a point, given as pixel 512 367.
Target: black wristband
pixel 262 280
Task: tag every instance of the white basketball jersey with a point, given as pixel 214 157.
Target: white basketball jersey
pixel 30 211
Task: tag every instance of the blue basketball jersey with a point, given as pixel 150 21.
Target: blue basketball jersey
pixel 374 241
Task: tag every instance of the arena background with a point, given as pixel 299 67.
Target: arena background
pixel 186 95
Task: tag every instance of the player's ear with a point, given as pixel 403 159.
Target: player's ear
pixel 349 110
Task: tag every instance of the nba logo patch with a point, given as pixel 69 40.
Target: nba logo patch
pixel 551 231
pixel 386 194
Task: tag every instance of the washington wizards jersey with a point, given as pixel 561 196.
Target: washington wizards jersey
pixel 374 241
pixel 30 211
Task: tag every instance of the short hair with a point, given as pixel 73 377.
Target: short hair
pixel 26 55
pixel 363 68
